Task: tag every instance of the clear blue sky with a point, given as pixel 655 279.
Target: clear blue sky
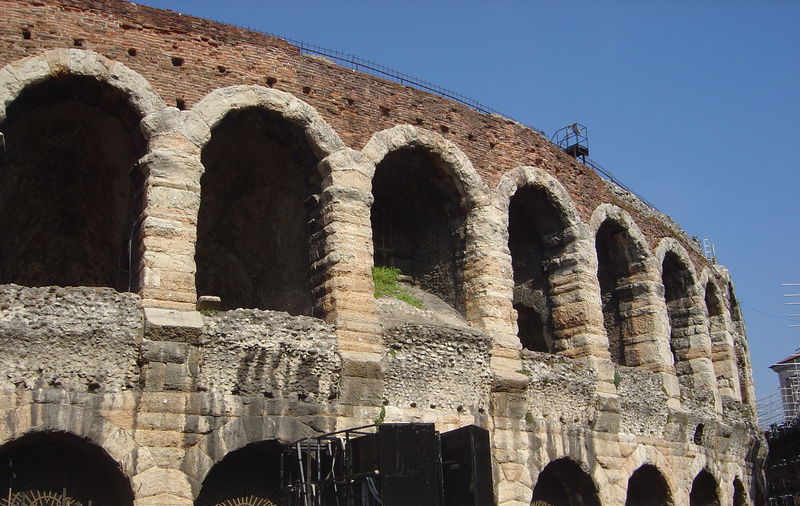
pixel 694 105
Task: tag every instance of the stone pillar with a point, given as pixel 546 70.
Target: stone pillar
pixel 646 327
pixel 692 345
pixel 342 258
pixel 170 358
pixel 488 287
pixel 723 356
pixel 168 223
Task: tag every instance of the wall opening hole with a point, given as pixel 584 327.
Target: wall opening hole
pixel 177 61
pixel 68 206
pixel 418 222
pixel 257 214
pixel 534 231
pixel 698 434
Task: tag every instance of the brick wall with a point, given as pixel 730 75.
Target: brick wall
pixel 213 55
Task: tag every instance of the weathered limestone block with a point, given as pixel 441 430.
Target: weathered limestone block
pixel 249 351
pixel 81 339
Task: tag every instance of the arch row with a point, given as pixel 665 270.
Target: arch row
pixel 242 457
pixel 646 477
pixel 516 260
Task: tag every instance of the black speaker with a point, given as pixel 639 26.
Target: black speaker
pixel 407 458
pixel 466 467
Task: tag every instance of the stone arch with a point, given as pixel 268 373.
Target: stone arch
pixel 565 482
pixel 648 486
pixel 82 423
pixel 739 493
pixel 668 246
pixel 236 435
pixel 215 106
pixel 541 224
pixel 21 74
pixel 560 238
pixel 426 201
pixel 527 176
pixel 59 467
pixel 71 124
pixel 741 351
pixel 723 354
pixel 261 163
pixel 688 328
pixel 629 287
pixel 465 178
pixel 251 473
pixel 705 490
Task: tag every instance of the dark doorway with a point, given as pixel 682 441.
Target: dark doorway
pixel 535 236
pixel 418 222
pixel 739 498
pixel 617 261
pixel 257 210
pixel 564 483
pixel 249 476
pixel 54 469
pixel 70 194
pixel 677 282
pixel 704 490
pixel 647 487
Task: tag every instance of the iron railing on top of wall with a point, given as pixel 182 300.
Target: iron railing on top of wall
pixel 363 65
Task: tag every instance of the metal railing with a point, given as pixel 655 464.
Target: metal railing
pixel 354 62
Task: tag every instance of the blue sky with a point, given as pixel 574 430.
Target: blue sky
pixel 694 105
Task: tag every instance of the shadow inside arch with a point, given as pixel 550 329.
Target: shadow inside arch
pixel 47 468
pixel 249 475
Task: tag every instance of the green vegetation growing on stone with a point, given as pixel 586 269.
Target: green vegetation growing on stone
pixel 385 279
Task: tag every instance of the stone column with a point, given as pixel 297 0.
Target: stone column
pixel 168 223
pixel 692 346
pixel 342 255
pixel 723 356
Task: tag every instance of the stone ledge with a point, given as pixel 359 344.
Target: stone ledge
pixel 173 325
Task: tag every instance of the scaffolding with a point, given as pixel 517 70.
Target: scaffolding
pixel 782 407
pixel 779 418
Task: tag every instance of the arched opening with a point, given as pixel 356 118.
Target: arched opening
pixel 564 483
pixel 249 476
pixel 647 487
pixel 535 235
pixel 713 301
pixel 677 282
pixel 258 207
pixel 617 263
pixel 58 468
pixel 739 344
pixel 722 352
pixel 418 222
pixel 739 496
pixel 704 490
pixel 70 194
pixel 736 311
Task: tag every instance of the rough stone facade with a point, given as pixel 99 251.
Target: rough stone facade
pixel 641 378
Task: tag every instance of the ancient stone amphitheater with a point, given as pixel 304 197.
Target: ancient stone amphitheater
pixel 150 159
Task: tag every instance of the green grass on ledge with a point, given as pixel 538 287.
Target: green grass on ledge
pixel 385 279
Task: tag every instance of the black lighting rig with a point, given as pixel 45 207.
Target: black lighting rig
pixel 389 464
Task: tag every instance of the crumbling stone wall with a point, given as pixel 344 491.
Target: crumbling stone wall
pixel 169 392
pixel 78 339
